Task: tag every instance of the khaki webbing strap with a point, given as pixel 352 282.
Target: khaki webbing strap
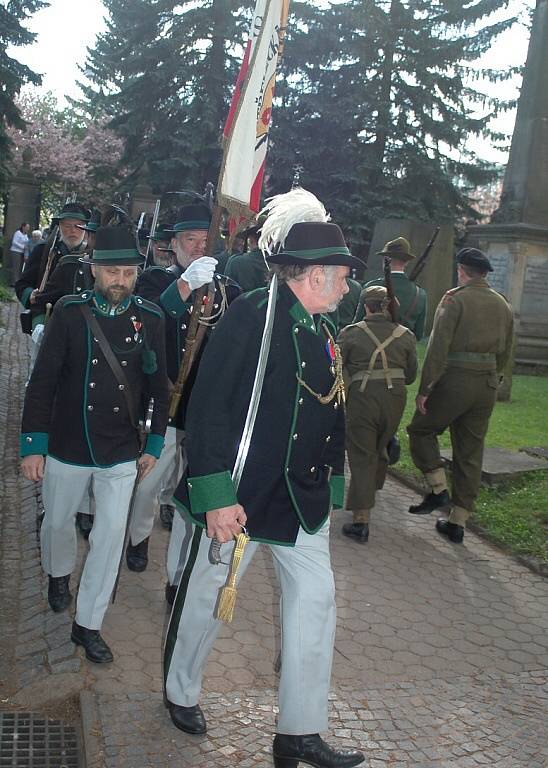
pixel 380 349
pixel 377 374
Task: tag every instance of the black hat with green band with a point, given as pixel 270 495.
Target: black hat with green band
pixel 73 211
pixel 191 217
pixel 315 242
pixel 94 222
pixel 161 235
pixel 114 247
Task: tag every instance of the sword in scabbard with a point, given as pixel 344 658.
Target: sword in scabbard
pixel 245 441
pixel 142 440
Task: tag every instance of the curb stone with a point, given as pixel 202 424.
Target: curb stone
pixel 92 733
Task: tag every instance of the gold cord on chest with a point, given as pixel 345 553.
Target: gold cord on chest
pixel 337 390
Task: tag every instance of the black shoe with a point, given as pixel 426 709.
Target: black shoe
pixel 431 502
pixel 171 592
pixel 454 532
pixel 59 596
pixel 137 556
pixel 84 524
pixel 91 641
pixel 166 516
pixel 289 751
pixel 358 531
pixel 187 719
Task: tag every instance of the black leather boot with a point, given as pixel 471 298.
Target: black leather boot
pixel 358 531
pixel 171 592
pixel 289 751
pixel 59 596
pixel 187 719
pixel 84 523
pixel 166 516
pixel 137 556
pixel 91 641
pixel 454 532
pixel 431 502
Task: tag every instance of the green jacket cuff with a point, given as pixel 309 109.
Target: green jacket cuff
pixel 336 484
pixel 34 443
pixel 25 297
pixel 172 302
pixel 211 492
pixel 154 445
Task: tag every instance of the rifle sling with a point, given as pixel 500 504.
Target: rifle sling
pixel 113 363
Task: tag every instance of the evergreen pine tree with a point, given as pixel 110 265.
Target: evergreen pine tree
pixel 163 72
pixel 13 75
pixel 381 105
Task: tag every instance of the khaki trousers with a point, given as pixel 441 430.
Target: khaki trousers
pixel 462 401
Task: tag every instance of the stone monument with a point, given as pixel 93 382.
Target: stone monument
pixel 142 197
pixel 516 240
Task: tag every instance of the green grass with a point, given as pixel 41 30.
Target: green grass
pixel 513 514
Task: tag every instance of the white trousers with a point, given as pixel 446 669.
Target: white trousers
pixel 63 490
pixel 162 480
pixel 308 619
pixel 182 531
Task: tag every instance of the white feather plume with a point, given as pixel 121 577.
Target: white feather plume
pixel 283 211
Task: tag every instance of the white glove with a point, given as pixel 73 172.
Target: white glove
pixel 37 333
pixel 200 272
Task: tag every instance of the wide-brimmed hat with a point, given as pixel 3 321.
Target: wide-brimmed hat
pixel 114 247
pixel 73 211
pixel 473 257
pixel 196 216
pixel 400 248
pixel 315 242
pixel 94 222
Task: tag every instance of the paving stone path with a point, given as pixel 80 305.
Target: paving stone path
pixel 441 656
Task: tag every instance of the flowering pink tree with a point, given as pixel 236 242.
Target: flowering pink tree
pixel 66 155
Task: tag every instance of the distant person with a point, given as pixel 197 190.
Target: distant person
pixel 412 299
pixel 35 239
pixel 469 347
pixel 248 268
pixel 19 245
pixel 379 360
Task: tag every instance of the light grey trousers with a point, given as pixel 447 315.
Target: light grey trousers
pixel 158 485
pixel 308 622
pixel 63 490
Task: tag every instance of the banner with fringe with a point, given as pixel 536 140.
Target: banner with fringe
pixel 247 126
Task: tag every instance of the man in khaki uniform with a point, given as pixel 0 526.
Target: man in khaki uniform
pixel 379 359
pixel 412 298
pixel 469 347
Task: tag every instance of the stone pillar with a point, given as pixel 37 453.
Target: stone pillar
pixel 142 197
pixel 438 276
pixel 23 204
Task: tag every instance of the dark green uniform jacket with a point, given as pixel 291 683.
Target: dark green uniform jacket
pixel 296 441
pixel 67 276
pixel 248 270
pixel 412 299
pixel 159 285
pixel 74 409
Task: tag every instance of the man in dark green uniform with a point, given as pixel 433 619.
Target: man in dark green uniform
pixel 411 298
pixel 80 426
pixel 379 359
pixel 249 269
pixel 470 344
pixel 293 474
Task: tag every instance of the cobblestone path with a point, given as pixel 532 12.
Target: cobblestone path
pixel 441 653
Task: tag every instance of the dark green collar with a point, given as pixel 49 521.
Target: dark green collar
pixel 298 312
pixel 107 309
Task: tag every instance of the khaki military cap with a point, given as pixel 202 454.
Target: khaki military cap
pixel 374 293
pixel 400 248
